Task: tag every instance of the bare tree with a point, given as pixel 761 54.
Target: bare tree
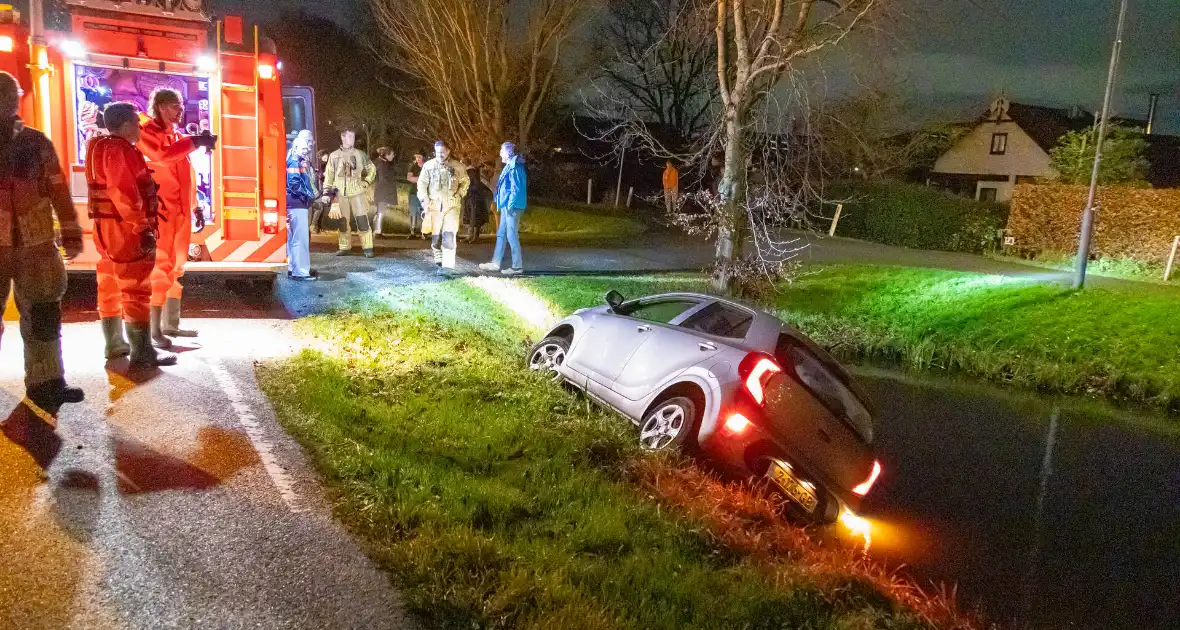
pixel 758 42
pixel 866 134
pixel 659 61
pixel 482 74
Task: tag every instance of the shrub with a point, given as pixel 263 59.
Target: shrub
pixel 916 216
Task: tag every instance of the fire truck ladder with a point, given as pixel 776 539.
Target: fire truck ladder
pixel 239 150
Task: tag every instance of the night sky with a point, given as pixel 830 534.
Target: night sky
pixel 951 55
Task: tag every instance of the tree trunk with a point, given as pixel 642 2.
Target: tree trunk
pixel 732 189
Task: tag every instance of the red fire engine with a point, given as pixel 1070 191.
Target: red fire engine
pixel 121 50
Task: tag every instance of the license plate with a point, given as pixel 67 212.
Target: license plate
pixel 785 479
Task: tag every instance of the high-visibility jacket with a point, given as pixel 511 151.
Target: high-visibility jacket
pixel 167 154
pixel 443 184
pixel 123 201
pixel 349 172
pixel 32 189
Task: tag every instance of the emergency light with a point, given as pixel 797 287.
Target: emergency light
pixel 6 43
pixel 205 63
pixel 73 49
pixel 266 71
pixel 270 217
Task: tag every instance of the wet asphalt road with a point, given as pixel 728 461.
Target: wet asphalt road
pixel 176 501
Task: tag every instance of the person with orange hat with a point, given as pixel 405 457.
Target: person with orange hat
pixel 123 205
pixel 167 152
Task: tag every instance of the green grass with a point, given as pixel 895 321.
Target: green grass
pixel 1122 268
pixel 1121 344
pixel 498 500
pixel 553 221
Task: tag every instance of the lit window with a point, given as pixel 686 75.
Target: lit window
pixel 999 143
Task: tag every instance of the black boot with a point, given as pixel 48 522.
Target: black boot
pixel 316 219
pixel 51 395
pixel 112 331
pixel 159 339
pixel 143 351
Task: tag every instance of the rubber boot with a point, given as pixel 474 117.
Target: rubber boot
pixel 317 217
pixel 171 323
pixel 51 395
pixel 112 331
pixel 159 340
pixel 143 350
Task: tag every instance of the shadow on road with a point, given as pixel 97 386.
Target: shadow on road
pixel 219 455
pixel 26 429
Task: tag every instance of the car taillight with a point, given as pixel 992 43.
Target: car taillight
pixel 864 488
pixel 737 423
pixel 756 370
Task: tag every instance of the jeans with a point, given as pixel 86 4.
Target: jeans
pixel 509 230
pixel 298 243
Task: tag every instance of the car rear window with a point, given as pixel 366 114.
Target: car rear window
pixel 827 383
pixel 721 320
pixel 660 312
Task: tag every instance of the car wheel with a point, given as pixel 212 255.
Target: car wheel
pixel 548 355
pixel 671 424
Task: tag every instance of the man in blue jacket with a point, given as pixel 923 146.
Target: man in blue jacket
pixel 511 200
pixel 300 193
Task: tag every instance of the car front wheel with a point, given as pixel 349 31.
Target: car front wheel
pixel 671 424
pixel 548 355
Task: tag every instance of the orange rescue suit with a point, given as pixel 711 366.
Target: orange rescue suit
pixel 123 206
pixel 167 152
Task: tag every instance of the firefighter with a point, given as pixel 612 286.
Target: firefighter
pixel 441 188
pixel 348 176
pixel 34 191
pixel 167 152
pixel 300 193
pixel 124 205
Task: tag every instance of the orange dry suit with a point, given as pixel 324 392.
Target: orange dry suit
pixel 167 153
pixel 123 205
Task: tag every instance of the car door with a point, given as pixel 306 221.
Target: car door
pixel 612 338
pixel 695 336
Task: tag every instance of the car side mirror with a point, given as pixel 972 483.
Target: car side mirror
pixel 614 299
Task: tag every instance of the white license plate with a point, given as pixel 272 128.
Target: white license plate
pixel 785 479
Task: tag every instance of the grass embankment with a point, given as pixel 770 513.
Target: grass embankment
pixel 497 499
pixel 1124 345
pixel 1122 268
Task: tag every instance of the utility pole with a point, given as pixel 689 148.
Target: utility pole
pixel 1088 216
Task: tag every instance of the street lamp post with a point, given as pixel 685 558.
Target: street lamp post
pixel 1088 216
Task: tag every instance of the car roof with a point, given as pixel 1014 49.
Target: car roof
pixel 764 331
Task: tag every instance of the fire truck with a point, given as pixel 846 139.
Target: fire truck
pixel 94 52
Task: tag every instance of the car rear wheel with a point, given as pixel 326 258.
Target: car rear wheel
pixel 671 424
pixel 548 355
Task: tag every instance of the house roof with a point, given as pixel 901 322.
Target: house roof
pixel 1046 125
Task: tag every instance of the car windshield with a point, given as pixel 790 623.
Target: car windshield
pixel 660 312
pixel 829 385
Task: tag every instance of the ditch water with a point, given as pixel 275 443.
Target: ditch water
pixel 1046 513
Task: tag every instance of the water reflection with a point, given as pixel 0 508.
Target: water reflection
pixel 1046 514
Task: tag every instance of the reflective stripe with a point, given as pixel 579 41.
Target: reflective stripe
pixel 301 171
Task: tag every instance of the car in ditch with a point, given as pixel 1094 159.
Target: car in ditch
pixel 750 393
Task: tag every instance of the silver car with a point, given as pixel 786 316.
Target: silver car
pixel 705 374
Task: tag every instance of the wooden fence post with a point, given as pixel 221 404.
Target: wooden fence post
pixel 590 191
pixel 1171 258
pixel 836 219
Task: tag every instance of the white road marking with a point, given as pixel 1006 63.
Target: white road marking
pixel 258 437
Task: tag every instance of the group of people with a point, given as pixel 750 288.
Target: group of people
pixel 140 187
pixel 445 194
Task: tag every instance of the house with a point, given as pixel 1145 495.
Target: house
pixel 1011 145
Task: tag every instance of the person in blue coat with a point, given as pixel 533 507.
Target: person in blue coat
pixel 511 198
pixel 300 194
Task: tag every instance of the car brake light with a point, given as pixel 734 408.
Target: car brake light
pixel 864 488
pixel 758 368
pixel 737 423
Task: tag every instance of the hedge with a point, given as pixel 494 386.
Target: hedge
pixel 1132 223
pixel 915 216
